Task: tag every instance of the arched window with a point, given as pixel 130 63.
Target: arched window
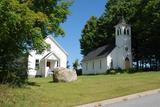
pixel 127 59
pixel 117 31
pixel 124 31
pixel 120 31
pixel 128 31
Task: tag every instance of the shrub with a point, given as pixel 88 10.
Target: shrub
pixel 115 71
pixel 14 77
pixel 14 73
pixel 130 70
pixel 111 71
pixel 119 70
pixel 79 72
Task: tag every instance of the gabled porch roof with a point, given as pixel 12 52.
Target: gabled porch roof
pixel 51 55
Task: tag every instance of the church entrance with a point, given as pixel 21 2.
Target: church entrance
pixel 127 63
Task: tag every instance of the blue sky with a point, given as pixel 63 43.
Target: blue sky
pixel 81 11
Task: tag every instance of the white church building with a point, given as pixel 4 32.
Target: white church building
pixel 43 64
pixel 111 57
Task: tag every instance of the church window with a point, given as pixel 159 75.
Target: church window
pixel 86 66
pixel 93 65
pixel 117 32
pixel 111 64
pixel 126 48
pixel 120 32
pixel 37 64
pixel 57 63
pixel 100 64
pixel 128 31
pixel 124 31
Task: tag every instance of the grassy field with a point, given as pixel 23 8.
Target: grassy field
pixel 42 92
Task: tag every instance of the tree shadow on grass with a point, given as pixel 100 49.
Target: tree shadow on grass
pixel 51 82
pixel 56 82
pixel 33 84
pixel 94 74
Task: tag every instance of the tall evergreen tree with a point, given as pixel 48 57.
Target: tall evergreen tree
pixel 76 64
pixel 88 35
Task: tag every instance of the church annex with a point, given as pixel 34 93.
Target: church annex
pixel 42 64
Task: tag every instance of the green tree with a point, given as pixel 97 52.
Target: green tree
pixel 88 34
pixel 24 25
pixel 144 17
pixel 76 64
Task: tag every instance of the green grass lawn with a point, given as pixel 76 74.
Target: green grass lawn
pixel 45 93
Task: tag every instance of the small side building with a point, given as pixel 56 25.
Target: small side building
pixel 108 57
pixel 43 64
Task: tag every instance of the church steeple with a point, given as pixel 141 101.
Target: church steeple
pixel 123 43
pixel 123 20
pixel 122 28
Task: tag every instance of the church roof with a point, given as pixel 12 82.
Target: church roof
pixel 99 52
pixel 52 38
pixel 49 54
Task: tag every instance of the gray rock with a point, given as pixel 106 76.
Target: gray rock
pixel 61 74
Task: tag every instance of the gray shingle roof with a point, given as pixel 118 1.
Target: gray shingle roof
pixel 99 52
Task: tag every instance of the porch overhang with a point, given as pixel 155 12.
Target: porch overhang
pixel 50 56
pixel 53 61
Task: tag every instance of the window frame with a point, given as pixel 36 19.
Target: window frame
pixel 37 63
pixel 93 65
pixel 100 64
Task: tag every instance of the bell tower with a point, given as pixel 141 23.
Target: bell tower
pixel 123 45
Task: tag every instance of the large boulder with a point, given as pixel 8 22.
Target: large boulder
pixel 61 74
